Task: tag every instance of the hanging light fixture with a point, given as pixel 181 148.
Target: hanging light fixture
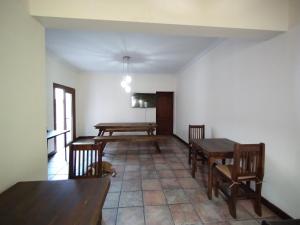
pixel 125 83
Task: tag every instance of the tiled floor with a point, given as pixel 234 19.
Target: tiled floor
pixel 58 166
pixel 157 189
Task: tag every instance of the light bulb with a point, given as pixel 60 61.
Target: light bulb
pixel 123 84
pixel 128 79
pixel 128 89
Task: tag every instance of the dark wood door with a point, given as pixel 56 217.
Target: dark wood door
pixel 164 113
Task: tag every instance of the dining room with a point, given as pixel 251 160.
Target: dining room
pixel 175 119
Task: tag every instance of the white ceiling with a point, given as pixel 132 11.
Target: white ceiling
pixel 103 51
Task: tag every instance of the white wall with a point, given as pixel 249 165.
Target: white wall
pixel 102 99
pixel 22 96
pixel 59 72
pixel 254 14
pixel 248 91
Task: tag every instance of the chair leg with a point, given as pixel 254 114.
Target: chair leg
pixel 216 185
pixel 232 201
pixel 190 155
pixel 257 204
pixel 194 163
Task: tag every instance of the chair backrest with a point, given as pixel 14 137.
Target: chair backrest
pixel 85 160
pixel 196 132
pixel 249 161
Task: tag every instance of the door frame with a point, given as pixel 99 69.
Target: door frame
pixel 71 91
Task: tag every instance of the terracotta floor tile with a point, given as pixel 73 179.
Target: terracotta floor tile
pixel 161 166
pixel 241 212
pixel 149 174
pixel 132 198
pixel 248 205
pixel 130 216
pixel 154 198
pixel 188 183
pixel 132 175
pixel 109 216
pixel 151 185
pixel 184 214
pixel 182 173
pixel 166 174
pixel 209 213
pixel 175 196
pixel 158 215
pixel 244 222
pixel 148 166
pixel 197 195
pixel 176 166
pixel 132 167
pixel 132 185
pixel 115 186
pixel 112 200
pixel 170 183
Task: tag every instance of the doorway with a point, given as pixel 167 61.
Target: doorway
pixel 164 113
pixel 64 114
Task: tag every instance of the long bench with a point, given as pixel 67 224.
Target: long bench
pixel 130 138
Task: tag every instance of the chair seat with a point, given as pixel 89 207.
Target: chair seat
pixel 227 171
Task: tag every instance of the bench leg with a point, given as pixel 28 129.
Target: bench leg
pixel 157 146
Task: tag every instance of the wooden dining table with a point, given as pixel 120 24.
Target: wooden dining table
pixel 125 127
pixel 213 149
pixel 66 202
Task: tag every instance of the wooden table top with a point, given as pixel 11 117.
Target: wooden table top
pixel 55 133
pixel 63 202
pixel 124 125
pixel 215 146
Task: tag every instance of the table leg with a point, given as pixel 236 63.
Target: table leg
pixel 194 161
pixel 211 162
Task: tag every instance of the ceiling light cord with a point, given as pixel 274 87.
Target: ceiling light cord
pixel 125 83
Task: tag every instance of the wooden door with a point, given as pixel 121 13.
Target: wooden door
pixel 164 113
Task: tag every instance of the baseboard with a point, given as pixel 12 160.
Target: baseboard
pixel 279 212
pixel 181 140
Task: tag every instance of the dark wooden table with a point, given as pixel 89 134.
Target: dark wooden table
pixel 282 222
pixel 125 127
pixel 54 133
pixel 214 149
pixel 66 202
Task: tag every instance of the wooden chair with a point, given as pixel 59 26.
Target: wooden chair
pixel 195 132
pixel 248 166
pixel 85 159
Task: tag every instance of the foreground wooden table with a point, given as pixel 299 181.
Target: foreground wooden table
pixel 66 202
pixel 214 149
pixel 125 127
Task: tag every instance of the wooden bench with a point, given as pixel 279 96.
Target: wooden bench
pixel 102 140
pixel 125 127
